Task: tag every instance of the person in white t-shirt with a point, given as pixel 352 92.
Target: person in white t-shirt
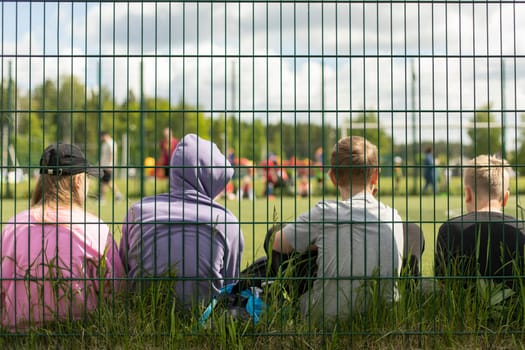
pixel 358 240
pixel 108 155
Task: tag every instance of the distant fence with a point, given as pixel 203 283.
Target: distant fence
pixel 274 85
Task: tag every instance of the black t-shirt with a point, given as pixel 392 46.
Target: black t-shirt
pixel 487 244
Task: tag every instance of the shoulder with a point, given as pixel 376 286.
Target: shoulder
pixel 218 213
pixel 329 205
pixel 321 211
pixel 469 217
pixel 453 221
pixel 146 207
pixel 225 214
pixel 511 221
pixel 389 211
pixel 144 201
pixel 325 208
pixel 84 216
pixel 457 224
pixel 357 206
pixel 485 217
pixel 22 218
pixel 84 221
pixel 150 201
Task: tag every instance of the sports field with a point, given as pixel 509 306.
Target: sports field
pixel 455 319
pixel 258 215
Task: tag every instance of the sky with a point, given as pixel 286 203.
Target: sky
pixel 288 61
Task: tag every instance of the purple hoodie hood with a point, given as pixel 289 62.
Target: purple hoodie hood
pixel 198 166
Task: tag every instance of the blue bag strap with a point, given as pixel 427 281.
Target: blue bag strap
pixel 209 309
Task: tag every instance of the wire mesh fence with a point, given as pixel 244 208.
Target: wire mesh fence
pixel 280 174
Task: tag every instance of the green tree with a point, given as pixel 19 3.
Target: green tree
pixel 71 112
pixel 518 157
pixel 221 133
pixel 9 99
pixel 367 125
pixel 186 119
pixel 485 137
pixel 43 107
pixel 299 140
pixel 36 128
pixel 157 116
pixel 29 140
pixel 62 112
pixel 127 120
pixel 247 138
pixel 7 103
pixel 101 113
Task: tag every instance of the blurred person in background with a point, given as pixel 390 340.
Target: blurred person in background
pixel 108 156
pixel 167 146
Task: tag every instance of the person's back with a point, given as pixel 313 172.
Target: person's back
pixel 58 261
pixel 356 242
pixel 358 239
pixel 62 256
pixel 185 233
pixel 107 151
pixel 481 244
pixel 484 242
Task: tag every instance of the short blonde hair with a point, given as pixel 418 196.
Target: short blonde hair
pixel 354 158
pixel 487 176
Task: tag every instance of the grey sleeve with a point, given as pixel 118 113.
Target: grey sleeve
pixel 305 230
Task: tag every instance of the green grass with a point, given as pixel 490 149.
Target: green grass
pixel 453 318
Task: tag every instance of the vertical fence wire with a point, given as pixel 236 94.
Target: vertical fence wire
pixel 274 86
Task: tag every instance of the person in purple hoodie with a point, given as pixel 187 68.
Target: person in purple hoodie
pixel 186 234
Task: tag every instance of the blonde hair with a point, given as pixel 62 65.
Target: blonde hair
pixel 56 191
pixel 354 158
pixel 487 176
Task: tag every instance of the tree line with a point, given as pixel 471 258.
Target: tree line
pixel 69 112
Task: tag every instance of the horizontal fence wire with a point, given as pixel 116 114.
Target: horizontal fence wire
pixel 282 174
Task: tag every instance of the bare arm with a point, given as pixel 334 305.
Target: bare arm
pixel 281 244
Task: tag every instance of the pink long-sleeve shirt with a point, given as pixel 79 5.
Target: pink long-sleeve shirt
pixel 56 266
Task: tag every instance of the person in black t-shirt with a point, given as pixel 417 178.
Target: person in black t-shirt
pixel 484 242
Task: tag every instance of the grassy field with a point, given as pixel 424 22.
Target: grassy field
pixel 455 318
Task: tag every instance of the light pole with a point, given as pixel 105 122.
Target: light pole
pixel 503 114
pixel 142 132
pixel 414 144
pixel 8 121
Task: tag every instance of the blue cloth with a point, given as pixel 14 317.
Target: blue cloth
pixel 430 173
pixel 255 306
pixel 429 167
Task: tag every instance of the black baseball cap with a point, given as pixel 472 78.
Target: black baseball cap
pixel 66 159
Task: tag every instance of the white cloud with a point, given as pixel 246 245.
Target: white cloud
pixel 282 52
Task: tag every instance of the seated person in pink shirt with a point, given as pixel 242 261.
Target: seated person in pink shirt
pixel 58 261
